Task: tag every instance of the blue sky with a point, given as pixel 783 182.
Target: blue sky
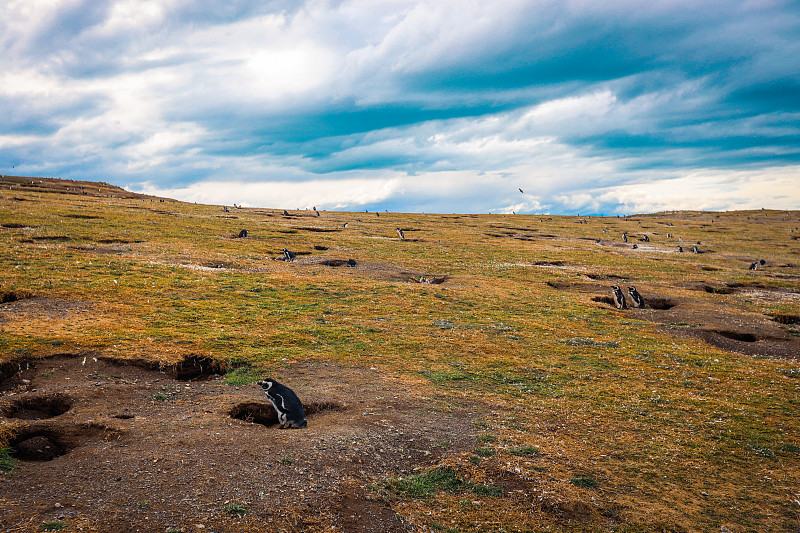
pixel 434 106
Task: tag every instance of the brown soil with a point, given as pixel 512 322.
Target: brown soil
pixel 107 447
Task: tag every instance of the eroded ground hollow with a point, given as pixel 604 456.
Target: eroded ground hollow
pixel 255 412
pixel 41 445
pixel 37 407
pixel 263 413
pixel 737 336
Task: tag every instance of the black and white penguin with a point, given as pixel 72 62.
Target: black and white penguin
pixel 288 256
pixel 619 298
pixel 636 298
pixel 286 403
pixel 401 234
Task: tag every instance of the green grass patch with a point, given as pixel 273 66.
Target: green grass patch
pixel 235 509
pixel 7 461
pixel 585 482
pixel 53 525
pixel 524 451
pixel 424 486
pixel 244 375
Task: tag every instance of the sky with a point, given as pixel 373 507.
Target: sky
pixel 520 106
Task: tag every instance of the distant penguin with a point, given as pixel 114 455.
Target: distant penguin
pixel 225 209
pixel 625 237
pixel 762 262
pixel 401 234
pixel 636 298
pixel 619 298
pixel 315 208
pixel 285 213
pixel 754 265
pixel 351 262
pixel 243 234
pixel 680 249
pixel 344 225
pixel 635 246
pixel 377 214
pixel 695 250
pixel 288 256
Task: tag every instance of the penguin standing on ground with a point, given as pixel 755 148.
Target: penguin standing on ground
pixel 288 256
pixel 619 298
pixel 401 234
pixel 636 298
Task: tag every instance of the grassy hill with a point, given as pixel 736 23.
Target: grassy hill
pixel 473 376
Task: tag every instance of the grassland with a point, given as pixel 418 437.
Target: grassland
pixel 592 419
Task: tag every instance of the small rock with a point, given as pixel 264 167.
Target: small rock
pixel 57 506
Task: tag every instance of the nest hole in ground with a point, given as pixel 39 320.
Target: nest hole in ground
pixel 263 413
pixel 735 335
pixel 37 448
pixel 604 276
pixel 608 300
pixel 219 264
pixel 190 368
pixel 661 304
pixel 786 319
pixel 13 296
pixel 38 407
pixel 14 225
pixel 195 367
pixel 718 290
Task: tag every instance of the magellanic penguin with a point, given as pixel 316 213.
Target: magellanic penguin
pixel 619 298
pixel 636 298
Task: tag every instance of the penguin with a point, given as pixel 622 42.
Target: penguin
pixel 288 256
pixel 754 265
pixel 243 234
pixel 286 403
pixel 680 249
pixel 344 225
pixel 285 213
pixel 695 250
pixel 351 262
pixel 619 298
pixel 625 237
pixel 636 298
pixel 401 234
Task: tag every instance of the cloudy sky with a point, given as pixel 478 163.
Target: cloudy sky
pixel 592 107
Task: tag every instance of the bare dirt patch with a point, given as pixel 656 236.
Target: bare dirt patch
pixel 140 450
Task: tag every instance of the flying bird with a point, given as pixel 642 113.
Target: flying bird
pixel 523 192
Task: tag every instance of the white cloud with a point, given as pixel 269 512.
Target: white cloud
pixel 323 194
